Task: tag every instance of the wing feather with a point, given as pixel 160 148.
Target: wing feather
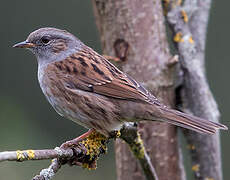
pixel 89 71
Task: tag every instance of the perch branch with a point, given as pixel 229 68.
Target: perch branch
pixel 84 154
pixel 189 24
pixel 26 155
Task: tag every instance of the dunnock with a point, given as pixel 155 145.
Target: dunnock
pixel 83 86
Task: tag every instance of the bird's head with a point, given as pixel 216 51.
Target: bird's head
pixel 51 44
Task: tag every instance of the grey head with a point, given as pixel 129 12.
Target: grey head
pixel 51 44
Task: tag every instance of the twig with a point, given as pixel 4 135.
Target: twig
pixel 84 153
pixel 131 136
pixel 26 155
pixel 45 174
pixel 49 173
pixel 112 58
pixel 189 24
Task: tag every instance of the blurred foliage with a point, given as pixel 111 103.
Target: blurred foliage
pixel 29 122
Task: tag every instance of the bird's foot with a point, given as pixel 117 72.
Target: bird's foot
pixel 94 145
pixel 74 142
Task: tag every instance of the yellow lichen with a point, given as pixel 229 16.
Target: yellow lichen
pixel 20 155
pixel 179 2
pixel 178 37
pixel 196 167
pixel 87 166
pixel 138 147
pixel 25 155
pixel 184 16
pixel 166 6
pixel 166 2
pixel 31 154
pixel 191 147
pixel 191 40
pixel 94 143
pixel 118 134
pixel 208 178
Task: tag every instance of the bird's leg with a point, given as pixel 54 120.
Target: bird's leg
pixel 92 143
pixel 75 141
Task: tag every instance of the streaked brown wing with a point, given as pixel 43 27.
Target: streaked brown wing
pixel 90 71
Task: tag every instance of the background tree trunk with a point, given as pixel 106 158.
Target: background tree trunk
pixel 134 31
pixel 194 92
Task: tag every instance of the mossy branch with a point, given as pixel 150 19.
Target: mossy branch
pixel 132 137
pixel 85 153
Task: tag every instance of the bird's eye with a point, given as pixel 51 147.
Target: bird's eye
pixel 45 40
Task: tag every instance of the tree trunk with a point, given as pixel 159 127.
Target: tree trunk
pixel 195 94
pixel 134 31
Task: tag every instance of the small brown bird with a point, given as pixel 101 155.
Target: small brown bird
pixel 83 86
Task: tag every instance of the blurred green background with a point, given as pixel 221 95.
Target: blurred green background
pixel 29 122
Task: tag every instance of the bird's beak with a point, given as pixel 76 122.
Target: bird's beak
pixel 24 44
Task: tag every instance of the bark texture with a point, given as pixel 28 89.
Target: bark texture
pixel 134 31
pixel 190 20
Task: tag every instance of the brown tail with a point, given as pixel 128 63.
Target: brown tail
pixel 191 122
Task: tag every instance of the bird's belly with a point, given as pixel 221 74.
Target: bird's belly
pixel 62 108
pixel 85 109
